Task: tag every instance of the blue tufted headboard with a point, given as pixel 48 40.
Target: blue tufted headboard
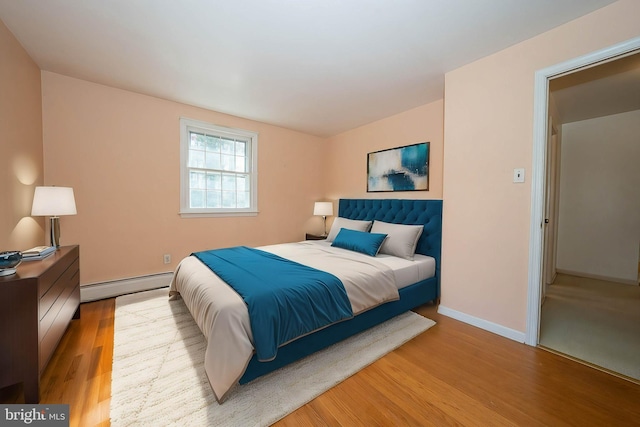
pixel 402 211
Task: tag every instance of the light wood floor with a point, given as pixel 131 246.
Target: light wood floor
pixel 453 374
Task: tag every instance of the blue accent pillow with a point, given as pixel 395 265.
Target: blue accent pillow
pixel 359 241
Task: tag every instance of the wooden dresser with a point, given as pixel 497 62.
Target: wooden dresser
pixel 36 306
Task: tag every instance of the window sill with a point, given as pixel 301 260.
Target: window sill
pixel 216 214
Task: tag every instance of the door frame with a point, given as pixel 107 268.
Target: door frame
pixel 540 123
pixel 552 188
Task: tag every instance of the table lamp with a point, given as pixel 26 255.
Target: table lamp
pixel 54 202
pixel 323 209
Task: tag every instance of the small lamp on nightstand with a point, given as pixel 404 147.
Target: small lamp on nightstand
pixel 323 209
pixel 53 202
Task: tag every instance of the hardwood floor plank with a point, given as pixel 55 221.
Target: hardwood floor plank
pixel 398 406
pixel 417 392
pixel 454 374
pixel 484 380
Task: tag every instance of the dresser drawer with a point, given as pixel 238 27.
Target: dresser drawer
pixel 67 278
pixel 52 313
pixel 55 265
pixel 64 309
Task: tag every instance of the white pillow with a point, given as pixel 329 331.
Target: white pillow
pixel 351 224
pixel 401 239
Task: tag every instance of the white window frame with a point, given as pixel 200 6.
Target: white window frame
pixel 186 211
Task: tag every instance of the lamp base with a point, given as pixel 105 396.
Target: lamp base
pixel 54 232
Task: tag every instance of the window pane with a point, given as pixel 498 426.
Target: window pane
pixel 196 179
pixel 197 141
pixel 214 199
pixel 196 198
pixel 242 183
pixel 229 182
pixel 241 164
pixel 228 199
pixel 196 159
pixel 228 163
pixel 228 146
pixel 213 161
pixel 213 144
pixel 214 181
pixel 241 148
pixel 243 199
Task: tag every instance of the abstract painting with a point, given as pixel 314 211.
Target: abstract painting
pixel 399 169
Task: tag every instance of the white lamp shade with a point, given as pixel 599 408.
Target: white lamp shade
pixel 53 201
pixel 323 208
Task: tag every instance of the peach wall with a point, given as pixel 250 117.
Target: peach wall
pixel 347 152
pixel 489 132
pixel 20 145
pixel 120 152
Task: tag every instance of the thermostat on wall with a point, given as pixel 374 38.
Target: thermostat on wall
pixel 518 175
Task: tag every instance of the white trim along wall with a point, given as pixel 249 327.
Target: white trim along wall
pixel 482 324
pixel 115 288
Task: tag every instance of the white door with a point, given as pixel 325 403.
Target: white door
pixel 550 207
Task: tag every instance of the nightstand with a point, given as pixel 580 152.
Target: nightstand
pixel 314 237
pixel 36 306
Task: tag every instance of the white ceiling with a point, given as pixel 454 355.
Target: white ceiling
pixel 318 66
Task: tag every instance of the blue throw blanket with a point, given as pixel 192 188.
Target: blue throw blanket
pixel 285 299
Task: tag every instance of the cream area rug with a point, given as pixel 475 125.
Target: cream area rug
pixel 158 368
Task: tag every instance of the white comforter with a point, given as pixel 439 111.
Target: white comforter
pixel 223 317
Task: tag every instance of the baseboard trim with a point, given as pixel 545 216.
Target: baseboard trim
pixel 598 277
pixel 495 328
pixel 114 288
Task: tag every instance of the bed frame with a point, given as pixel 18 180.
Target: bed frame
pixel 399 211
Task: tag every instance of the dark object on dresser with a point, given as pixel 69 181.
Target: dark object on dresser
pixel 9 260
pixel 36 307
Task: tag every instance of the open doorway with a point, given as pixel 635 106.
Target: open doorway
pixel 562 85
pixel 590 309
pixel 592 191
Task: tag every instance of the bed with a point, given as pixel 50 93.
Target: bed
pixel 222 314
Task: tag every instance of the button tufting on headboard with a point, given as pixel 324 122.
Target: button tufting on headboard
pixel 402 211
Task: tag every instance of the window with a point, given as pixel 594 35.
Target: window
pixel 218 168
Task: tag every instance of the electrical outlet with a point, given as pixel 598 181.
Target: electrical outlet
pixel 518 175
pixel 166 258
